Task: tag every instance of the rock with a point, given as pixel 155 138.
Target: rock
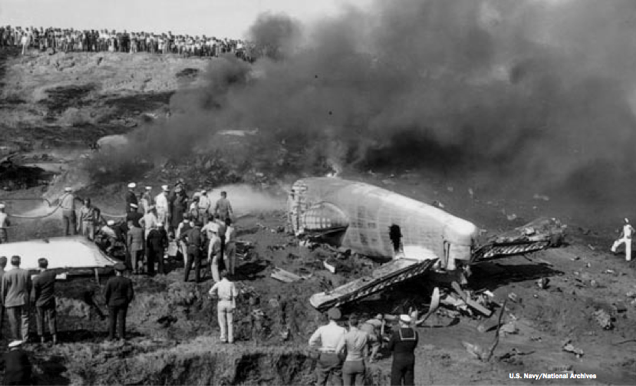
pixel 603 319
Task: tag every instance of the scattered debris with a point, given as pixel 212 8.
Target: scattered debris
pixel 471 193
pixel 509 328
pixel 513 296
pixel 542 197
pixel 476 351
pixel 284 276
pixel 438 204
pixel 511 217
pixel 568 347
pixel 603 318
pixel 543 282
pixel 330 268
pixel 591 247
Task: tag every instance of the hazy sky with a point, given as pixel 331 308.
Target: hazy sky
pixel 224 18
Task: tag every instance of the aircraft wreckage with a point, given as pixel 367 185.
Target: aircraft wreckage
pixel 417 237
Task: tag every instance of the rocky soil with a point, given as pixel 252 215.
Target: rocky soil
pixel 60 104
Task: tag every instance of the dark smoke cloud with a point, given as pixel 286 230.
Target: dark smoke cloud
pixel 532 94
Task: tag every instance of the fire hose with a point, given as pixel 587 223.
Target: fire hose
pixel 55 209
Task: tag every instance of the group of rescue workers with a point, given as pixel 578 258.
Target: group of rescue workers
pixel 198 230
pixel 71 40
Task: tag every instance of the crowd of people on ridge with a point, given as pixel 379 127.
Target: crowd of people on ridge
pixel 72 40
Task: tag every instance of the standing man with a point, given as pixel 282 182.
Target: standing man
pixel 149 221
pixel 625 238
pixel 3 265
pixel 375 328
pixel 226 292
pixel 89 218
pixel 16 289
pixel 356 343
pixel 214 249
pixel 67 204
pixel 402 344
pixel 223 208
pixel 146 199
pixel 4 224
pixel 17 366
pixel 204 205
pixel 161 204
pixel 194 240
pixel 131 197
pixel 229 251
pixel 156 243
pixel 44 298
pixel 135 243
pixel 134 215
pixel 329 336
pixel 118 294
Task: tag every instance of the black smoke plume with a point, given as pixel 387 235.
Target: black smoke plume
pixel 521 95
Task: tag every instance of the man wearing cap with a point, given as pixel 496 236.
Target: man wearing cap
pixel 194 239
pixel 4 224
pixel 226 292
pixel 16 290
pixel 109 233
pixel 89 218
pixel 223 208
pixel 402 344
pixel 118 294
pixel 214 255
pixel 134 215
pixel 67 204
pixel 375 328
pixel 179 206
pixel 625 238
pixel 156 244
pixel 161 204
pixel 329 364
pixel 146 200
pixel 131 197
pixel 44 298
pixel 17 366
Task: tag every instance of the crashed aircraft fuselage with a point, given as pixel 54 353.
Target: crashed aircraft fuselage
pixel 377 222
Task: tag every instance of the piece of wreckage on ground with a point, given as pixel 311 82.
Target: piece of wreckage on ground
pixel 419 238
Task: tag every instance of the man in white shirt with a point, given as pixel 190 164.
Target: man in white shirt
pixel 4 224
pixel 329 336
pixel 67 204
pixel 226 293
pixel 161 204
pixel 626 238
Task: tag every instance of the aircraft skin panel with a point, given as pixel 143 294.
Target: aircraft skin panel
pixel 371 210
pixel 74 252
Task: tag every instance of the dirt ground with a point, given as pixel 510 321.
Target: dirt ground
pixel 172 324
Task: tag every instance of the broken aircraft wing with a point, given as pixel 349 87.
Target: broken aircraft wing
pixel 69 253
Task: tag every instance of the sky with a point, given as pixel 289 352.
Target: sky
pixel 220 18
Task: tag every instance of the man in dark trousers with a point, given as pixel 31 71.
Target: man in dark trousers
pixel 17 366
pixel 16 291
pixel 156 242
pixel 44 298
pixel 131 196
pixel 402 344
pixel 194 239
pixel 118 294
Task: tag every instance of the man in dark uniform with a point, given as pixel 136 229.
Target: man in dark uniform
pixel 118 294
pixel 44 298
pixel 157 242
pixel 17 366
pixel 134 215
pixel 131 197
pixel 194 240
pixel 402 344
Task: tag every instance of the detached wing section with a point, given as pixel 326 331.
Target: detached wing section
pixel 539 234
pixel 380 279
